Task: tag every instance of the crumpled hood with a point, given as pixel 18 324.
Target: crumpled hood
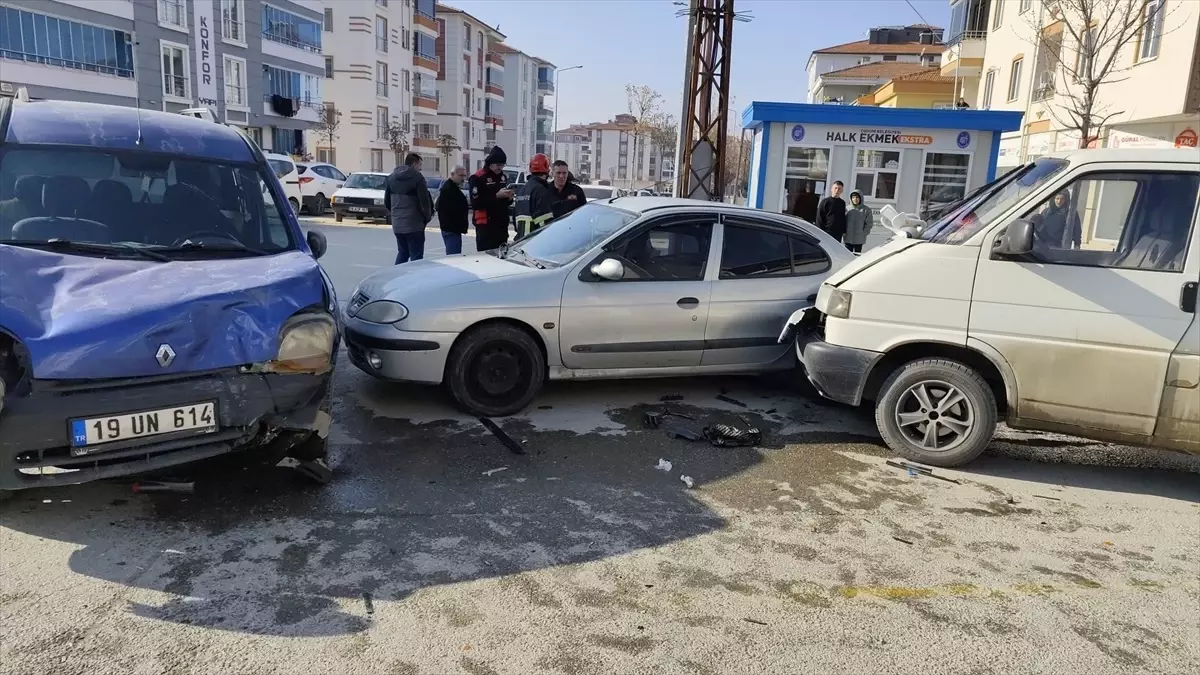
pixel 420 277
pixel 871 257
pixel 84 317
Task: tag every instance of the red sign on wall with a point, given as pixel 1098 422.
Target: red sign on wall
pixel 1186 138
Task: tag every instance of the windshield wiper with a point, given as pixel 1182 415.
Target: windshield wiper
pixel 534 261
pixel 87 247
pixel 231 247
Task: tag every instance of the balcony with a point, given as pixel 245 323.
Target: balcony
pixel 493 119
pixel 425 23
pixel 965 56
pixel 495 59
pixel 544 112
pixel 426 61
pixel 545 86
pixel 424 141
pixel 303 109
pixel 493 90
pixel 426 101
pixel 541 135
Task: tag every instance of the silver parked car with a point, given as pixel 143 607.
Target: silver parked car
pixel 629 287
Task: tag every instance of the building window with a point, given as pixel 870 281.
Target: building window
pixel 997 12
pixel 466 36
pixel 1152 28
pixel 989 83
pixel 256 135
pixel 407 81
pixel 945 178
pixel 327 155
pixel 381 3
pixel 173 13
pixel 381 79
pixel 302 87
pixel 889 57
pixel 329 22
pixel 37 38
pixel 291 29
pixel 381 122
pixel 175 71
pixel 425 46
pixel 404 39
pixel 235 82
pixel 377 160
pixel 1014 80
pixel 1025 5
pixel 329 67
pixel 233 20
pixel 1085 56
pixel 876 173
pixel 804 176
pixel 381 34
pixel 284 141
pixel 480 35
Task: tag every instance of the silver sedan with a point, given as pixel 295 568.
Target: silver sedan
pixel 621 288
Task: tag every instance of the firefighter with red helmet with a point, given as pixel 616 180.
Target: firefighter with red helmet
pixel 535 201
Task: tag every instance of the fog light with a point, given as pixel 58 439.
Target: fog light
pixel 374 360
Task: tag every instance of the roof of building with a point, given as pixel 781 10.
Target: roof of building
pixel 760 113
pixel 447 9
pixel 502 48
pixel 75 123
pixel 928 74
pixel 867 47
pixel 878 70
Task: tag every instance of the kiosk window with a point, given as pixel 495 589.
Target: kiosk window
pixel 804 178
pixel 876 173
pixel 944 180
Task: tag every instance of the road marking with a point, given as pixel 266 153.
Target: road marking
pixel 374 267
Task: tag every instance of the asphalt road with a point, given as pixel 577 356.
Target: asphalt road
pixel 439 550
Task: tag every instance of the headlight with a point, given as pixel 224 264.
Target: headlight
pixel 379 201
pixel 338 200
pixel 382 311
pixel 306 344
pixel 836 303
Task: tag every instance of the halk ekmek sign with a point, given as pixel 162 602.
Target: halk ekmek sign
pixel 877 137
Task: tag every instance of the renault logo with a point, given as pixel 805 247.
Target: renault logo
pixel 165 355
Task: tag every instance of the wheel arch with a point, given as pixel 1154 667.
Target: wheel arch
pixel 980 356
pixel 503 320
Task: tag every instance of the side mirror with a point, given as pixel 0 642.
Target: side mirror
pixel 609 268
pixel 909 232
pixel 1017 240
pixel 317 243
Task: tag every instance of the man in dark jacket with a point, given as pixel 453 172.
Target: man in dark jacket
pixel 406 197
pixel 453 211
pixel 534 201
pixel 566 195
pixel 831 212
pixel 489 199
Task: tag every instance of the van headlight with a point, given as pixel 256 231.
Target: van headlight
pixel 835 303
pixel 379 201
pixel 382 311
pixel 306 344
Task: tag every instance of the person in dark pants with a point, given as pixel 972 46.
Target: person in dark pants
pixel 566 195
pixel 406 197
pixel 831 212
pixel 452 211
pixel 490 199
pixel 859 221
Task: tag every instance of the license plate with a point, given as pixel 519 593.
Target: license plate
pixel 198 418
pixel 357 209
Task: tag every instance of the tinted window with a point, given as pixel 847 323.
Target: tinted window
pixel 335 174
pixel 674 252
pixel 280 167
pixel 807 257
pixel 597 193
pixel 302 168
pixel 753 253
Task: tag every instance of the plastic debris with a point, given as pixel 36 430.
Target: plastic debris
pixel 368 603
pixel 676 431
pixel 503 437
pixel 914 469
pixel 687 480
pixel 489 472
pixel 733 401
pixel 755 621
pixel 664 465
pixel 727 435
pixel 903 541
pixel 315 469
pixel 157 486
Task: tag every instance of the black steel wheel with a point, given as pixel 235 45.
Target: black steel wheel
pixel 495 370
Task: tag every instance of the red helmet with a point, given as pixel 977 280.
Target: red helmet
pixel 539 164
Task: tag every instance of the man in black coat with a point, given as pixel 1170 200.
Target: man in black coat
pixel 831 212
pixel 453 211
pixel 566 193
pixel 490 199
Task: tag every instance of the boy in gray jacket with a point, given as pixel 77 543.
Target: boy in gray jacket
pixel 859 221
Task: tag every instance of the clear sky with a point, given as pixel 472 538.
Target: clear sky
pixel 621 42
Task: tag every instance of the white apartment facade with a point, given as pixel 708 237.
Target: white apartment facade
pixel 832 74
pixel 1157 98
pixel 609 152
pixel 377 55
pixel 470 89
pixel 524 107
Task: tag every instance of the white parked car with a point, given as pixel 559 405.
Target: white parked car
pixel 361 196
pixel 289 177
pixel 594 192
pixel 318 182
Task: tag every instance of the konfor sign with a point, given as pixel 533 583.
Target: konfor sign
pixel 206 57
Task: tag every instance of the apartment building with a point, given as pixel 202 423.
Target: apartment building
pixel 257 64
pixel 1155 94
pixel 524 106
pixel 379 65
pixel 470 87
pixel 608 151
pixel 842 73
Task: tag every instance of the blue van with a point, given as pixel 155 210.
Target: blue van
pixel 159 304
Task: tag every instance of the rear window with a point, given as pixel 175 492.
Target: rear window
pixel 280 167
pixel 433 182
pixel 597 193
pixel 300 169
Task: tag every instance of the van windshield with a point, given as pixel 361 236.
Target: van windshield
pixel 113 201
pixel 966 220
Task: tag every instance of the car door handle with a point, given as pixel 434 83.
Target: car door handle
pixel 1187 297
pixel 688 303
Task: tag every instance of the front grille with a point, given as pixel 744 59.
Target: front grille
pixel 358 201
pixel 356 303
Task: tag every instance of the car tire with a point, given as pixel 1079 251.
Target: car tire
pixel 495 370
pixel 294 204
pixel 337 217
pixel 358 217
pixel 949 395
pixel 320 205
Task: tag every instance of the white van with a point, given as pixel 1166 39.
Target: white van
pixel 1062 298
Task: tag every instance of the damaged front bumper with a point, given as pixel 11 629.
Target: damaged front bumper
pixel 253 409
pixel 837 373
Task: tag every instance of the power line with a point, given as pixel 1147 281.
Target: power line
pixel 918 13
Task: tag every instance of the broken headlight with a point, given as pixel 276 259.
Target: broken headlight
pixel 306 344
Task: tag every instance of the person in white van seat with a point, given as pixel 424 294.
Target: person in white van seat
pixel 1058 226
pixel 831 212
pixel 859 221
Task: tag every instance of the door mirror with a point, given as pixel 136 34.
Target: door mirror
pixel 1017 240
pixel 609 268
pixel 317 243
pixel 909 232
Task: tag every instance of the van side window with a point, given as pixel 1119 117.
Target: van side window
pixel 1126 220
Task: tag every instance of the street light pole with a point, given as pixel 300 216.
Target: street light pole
pixel 557 99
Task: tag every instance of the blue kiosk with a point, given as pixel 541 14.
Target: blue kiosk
pixel 911 158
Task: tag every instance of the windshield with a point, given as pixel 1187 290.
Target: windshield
pixel 510 176
pixel 564 240
pixel 597 193
pixel 966 220
pixel 280 167
pixel 365 181
pixel 138 199
pixel 433 182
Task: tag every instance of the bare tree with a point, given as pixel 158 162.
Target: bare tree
pixel 664 136
pixel 737 165
pixel 327 127
pixel 447 144
pixel 396 135
pixel 643 105
pixel 1099 33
